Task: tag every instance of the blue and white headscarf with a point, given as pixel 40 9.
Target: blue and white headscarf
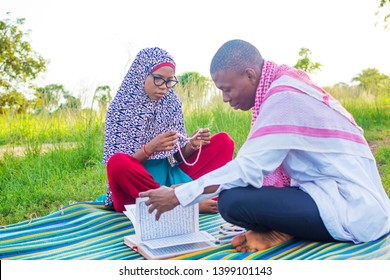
pixel 133 119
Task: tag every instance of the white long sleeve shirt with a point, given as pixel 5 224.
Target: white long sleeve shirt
pixel 323 151
pixel 352 207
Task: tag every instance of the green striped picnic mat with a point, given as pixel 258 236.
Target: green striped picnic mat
pixel 89 230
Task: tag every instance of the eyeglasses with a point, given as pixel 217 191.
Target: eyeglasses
pixel 160 81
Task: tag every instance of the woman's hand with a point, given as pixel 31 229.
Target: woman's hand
pixel 202 138
pixel 163 142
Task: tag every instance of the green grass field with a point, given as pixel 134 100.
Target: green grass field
pixel 37 182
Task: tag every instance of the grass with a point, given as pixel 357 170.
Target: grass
pixel 39 183
pixel 382 156
pixel 221 118
pixel 29 129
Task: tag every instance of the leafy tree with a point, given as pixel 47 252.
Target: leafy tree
pixel 193 89
pixel 384 12
pixel 103 97
pixel 304 62
pixel 71 103
pixel 14 102
pixel 47 98
pixel 19 63
pixel 190 77
pixel 372 81
pixel 193 85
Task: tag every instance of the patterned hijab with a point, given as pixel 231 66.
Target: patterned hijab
pixel 133 119
pixel 269 71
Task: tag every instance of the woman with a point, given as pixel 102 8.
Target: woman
pixel 146 144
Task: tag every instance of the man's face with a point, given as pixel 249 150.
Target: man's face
pixel 239 89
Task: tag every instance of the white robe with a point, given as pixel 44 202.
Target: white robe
pixel 323 151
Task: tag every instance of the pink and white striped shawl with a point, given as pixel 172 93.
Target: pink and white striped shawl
pixel 291 112
pixel 278 178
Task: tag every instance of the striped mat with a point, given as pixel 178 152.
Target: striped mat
pixel 89 230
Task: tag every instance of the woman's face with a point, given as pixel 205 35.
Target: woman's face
pixel 157 92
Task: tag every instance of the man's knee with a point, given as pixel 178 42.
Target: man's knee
pixel 228 204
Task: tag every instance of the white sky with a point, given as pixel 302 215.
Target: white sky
pixel 92 42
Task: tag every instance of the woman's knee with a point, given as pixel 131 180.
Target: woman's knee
pixel 223 137
pixel 119 162
pixel 224 142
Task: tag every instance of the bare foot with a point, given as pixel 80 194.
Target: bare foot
pixel 208 206
pixel 253 241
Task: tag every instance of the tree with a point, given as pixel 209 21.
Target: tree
pixel 103 97
pixel 19 63
pixel 372 81
pixel 193 85
pixel 47 98
pixel 304 62
pixel 71 103
pixel 13 102
pixel 383 12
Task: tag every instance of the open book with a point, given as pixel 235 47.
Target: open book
pixel 175 233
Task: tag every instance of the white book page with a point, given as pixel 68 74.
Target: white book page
pixel 131 214
pixel 166 252
pixel 178 250
pixel 180 220
pixel 195 237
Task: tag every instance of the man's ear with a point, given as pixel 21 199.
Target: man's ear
pixel 252 75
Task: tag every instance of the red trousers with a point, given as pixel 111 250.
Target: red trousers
pixel 127 177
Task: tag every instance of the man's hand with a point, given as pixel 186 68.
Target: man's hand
pixel 162 200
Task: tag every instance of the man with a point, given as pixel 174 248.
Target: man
pixel 300 135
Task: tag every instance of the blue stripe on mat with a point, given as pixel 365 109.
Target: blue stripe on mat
pixel 89 230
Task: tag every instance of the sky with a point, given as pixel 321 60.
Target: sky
pixel 92 43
